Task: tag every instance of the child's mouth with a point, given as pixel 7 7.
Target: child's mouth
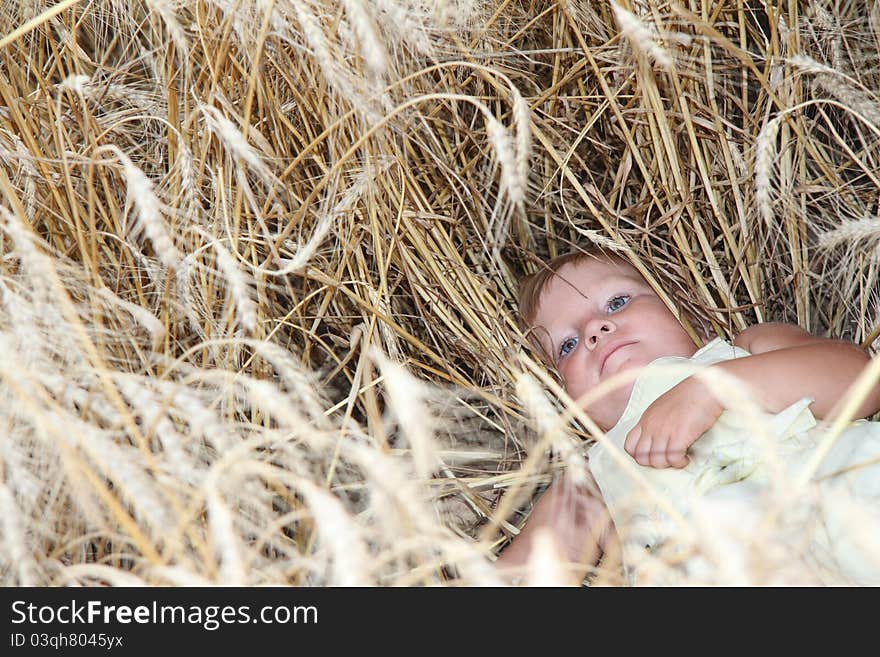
pixel 612 350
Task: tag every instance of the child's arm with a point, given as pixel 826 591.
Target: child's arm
pixel 576 520
pixel 786 364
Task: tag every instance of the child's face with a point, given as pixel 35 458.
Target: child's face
pixel 590 308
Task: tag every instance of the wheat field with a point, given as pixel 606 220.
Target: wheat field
pixel 259 258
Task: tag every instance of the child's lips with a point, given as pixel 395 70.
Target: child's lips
pixel 611 350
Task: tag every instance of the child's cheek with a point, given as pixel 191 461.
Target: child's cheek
pixel 573 378
pixel 563 370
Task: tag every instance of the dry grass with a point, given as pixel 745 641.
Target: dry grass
pixel 259 258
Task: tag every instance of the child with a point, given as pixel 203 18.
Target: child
pixel 593 316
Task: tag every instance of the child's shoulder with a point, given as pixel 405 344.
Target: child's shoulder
pixel 771 336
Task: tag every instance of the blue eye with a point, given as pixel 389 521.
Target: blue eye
pixel 571 343
pixel 613 299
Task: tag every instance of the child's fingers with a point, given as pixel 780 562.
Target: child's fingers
pixel 642 450
pixel 656 451
pixel 638 445
pixel 676 451
pixel 658 457
pixel 632 439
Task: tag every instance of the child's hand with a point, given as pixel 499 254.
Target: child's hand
pixel 576 520
pixel 672 424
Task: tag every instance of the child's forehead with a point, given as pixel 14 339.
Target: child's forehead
pixel 591 273
pixel 583 279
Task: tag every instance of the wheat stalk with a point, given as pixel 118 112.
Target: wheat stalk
pixel 641 36
pixel 239 288
pixel 765 151
pixel 149 209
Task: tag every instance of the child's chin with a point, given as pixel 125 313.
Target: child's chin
pixel 608 411
pixel 628 364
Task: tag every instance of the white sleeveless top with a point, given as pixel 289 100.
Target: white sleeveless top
pixel 734 514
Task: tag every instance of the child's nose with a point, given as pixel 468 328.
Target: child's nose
pixel 597 327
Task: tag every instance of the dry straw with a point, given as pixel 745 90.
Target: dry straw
pixel 856 230
pixel 205 250
pixel 234 140
pixel 765 154
pixel 239 288
pixel 371 47
pixel 143 196
pixel 508 158
pixel 842 87
pixel 166 10
pixel 642 37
